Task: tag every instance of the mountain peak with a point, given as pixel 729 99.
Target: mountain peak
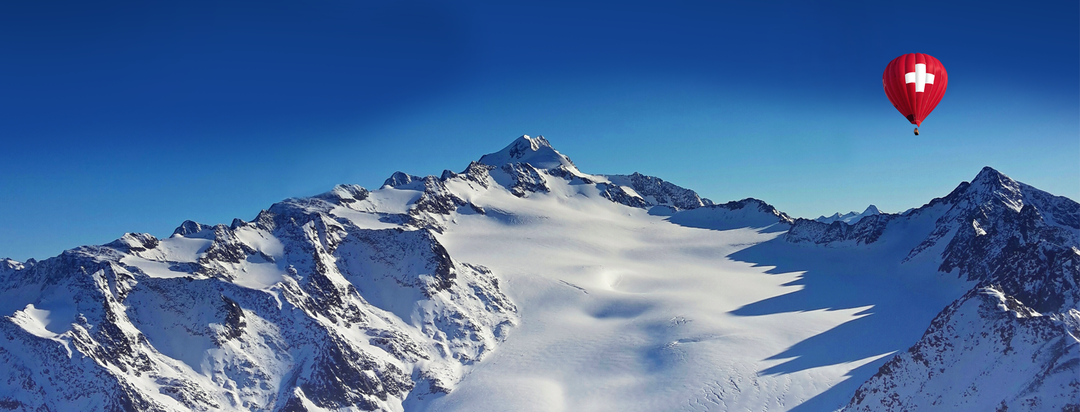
pixel 399 179
pixel 989 175
pixel 871 210
pixel 992 184
pixel 536 151
pixel 534 142
pixel 987 170
pixel 190 228
pixel 990 180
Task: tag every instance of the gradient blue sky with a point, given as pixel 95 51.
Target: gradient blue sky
pixel 134 116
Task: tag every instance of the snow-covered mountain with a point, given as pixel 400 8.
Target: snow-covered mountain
pixel 523 283
pixel 301 308
pixel 1011 343
pixel 850 217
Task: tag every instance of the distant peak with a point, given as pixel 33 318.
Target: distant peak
pixel 536 151
pixel 850 217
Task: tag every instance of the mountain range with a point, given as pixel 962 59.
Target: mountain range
pixel 850 217
pixel 522 283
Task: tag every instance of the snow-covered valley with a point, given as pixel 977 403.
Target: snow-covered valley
pixel 525 284
pixel 626 311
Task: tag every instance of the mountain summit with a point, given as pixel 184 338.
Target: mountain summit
pixel 536 151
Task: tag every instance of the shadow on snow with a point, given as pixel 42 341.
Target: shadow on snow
pixel 898 304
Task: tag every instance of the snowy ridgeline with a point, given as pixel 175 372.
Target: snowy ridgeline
pixel 522 283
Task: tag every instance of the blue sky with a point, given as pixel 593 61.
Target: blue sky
pixel 134 116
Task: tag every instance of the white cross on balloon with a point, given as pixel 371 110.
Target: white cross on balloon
pixel 920 77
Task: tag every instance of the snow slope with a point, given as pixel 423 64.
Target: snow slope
pixel 624 311
pixel 580 292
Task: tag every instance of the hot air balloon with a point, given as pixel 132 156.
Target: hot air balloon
pixel 915 83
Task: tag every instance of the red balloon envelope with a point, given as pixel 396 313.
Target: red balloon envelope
pixel 915 83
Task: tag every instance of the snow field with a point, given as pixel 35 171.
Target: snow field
pixel 626 311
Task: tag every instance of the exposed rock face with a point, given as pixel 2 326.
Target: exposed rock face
pixel 527 179
pixel 866 230
pixel 478 173
pixel 620 195
pixel 436 198
pixel 655 191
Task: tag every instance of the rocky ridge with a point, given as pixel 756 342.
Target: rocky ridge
pixel 299 309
